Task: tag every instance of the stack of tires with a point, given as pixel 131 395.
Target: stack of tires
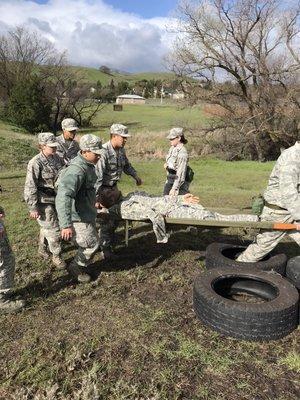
pixel 251 301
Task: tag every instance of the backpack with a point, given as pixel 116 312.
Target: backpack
pixel 189 176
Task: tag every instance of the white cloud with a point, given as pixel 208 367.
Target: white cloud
pixel 93 32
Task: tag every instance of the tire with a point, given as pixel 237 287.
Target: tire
pixel 293 271
pixel 223 255
pixel 272 319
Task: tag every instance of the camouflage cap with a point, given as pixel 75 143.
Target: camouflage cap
pixel 91 143
pixel 69 124
pixel 174 133
pixel 47 138
pixel 119 129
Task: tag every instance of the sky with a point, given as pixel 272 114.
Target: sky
pixel 129 35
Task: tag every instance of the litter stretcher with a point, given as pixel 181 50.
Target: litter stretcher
pixel 278 226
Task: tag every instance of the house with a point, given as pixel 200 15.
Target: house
pixel 130 99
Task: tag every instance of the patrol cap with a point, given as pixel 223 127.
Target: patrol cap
pixel 47 138
pixel 69 124
pixel 174 133
pixel 91 143
pixel 119 129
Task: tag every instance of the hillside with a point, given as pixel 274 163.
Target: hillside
pixel 93 75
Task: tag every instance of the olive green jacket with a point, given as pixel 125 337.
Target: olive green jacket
pixel 76 196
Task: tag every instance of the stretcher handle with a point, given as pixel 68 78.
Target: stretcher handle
pixel 286 227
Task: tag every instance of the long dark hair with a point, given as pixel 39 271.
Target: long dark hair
pixel 183 139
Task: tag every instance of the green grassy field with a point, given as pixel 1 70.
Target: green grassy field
pixel 151 118
pixel 93 75
pixel 132 333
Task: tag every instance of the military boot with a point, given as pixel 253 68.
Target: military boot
pixel 108 254
pixel 10 305
pixel 79 272
pixel 58 262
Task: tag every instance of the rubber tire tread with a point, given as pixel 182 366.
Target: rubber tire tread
pixel 293 271
pixel 266 321
pixel 215 258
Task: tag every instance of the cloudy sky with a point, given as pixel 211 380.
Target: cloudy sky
pixel 129 35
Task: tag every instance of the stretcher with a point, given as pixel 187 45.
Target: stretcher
pixel 217 224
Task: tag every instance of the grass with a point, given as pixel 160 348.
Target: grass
pixel 93 75
pixel 132 333
pixel 151 118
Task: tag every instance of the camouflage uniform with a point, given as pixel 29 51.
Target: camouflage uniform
pixel 67 149
pixel 7 261
pixel 75 202
pixel 177 162
pixel 109 170
pixel 111 165
pixel 282 198
pixel 140 205
pixel 39 194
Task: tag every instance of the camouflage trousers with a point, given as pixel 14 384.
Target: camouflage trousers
pixel 106 229
pixel 49 228
pixel 7 265
pixel 87 240
pixel 265 242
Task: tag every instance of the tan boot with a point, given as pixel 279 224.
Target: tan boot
pixel 58 262
pixel 9 305
pixel 42 251
pixel 79 273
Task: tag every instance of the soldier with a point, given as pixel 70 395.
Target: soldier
pixel 39 194
pixel 68 147
pixel 7 271
pixel 109 170
pixel 140 205
pixel 75 204
pixel 282 204
pixel 177 164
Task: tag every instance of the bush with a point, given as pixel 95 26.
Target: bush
pixel 29 107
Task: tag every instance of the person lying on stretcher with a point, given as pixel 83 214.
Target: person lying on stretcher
pixel 143 206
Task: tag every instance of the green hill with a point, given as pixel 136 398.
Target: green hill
pixel 93 75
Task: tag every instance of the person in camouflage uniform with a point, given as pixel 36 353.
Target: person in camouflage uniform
pixel 176 164
pixel 282 204
pixel 109 169
pixel 75 204
pixel 7 272
pixel 39 195
pixel 68 147
pixel 140 205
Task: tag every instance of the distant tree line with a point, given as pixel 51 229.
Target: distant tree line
pixel 151 88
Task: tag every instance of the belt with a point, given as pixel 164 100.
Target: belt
pixel 274 206
pixel 171 171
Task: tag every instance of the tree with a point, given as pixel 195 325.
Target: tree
pixel 20 53
pixel 29 106
pixel 253 45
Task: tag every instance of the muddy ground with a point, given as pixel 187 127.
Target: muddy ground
pixel 132 333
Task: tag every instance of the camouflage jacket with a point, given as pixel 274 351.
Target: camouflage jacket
pixel 67 149
pixel 284 183
pixel 111 165
pixel 76 196
pixel 39 183
pixel 177 160
pixel 142 206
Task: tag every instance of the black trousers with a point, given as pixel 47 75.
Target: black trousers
pixel 169 183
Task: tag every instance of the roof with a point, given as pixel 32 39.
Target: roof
pixel 131 96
